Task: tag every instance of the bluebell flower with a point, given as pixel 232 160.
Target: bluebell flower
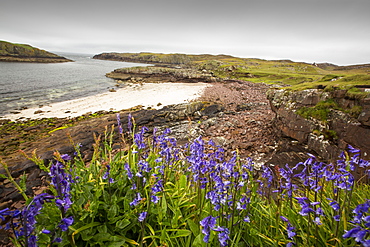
pixel 247 219
pixel 290 229
pixel 120 130
pixel 290 244
pixel 352 233
pixel 207 223
pixel 45 231
pixel 158 186
pixel 139 138
pixel 223 235
pixel 65 223
pixel 4 212
pixel 351 149
pixel 57 240
pixel 62 183
pixel 142 216
pixel 334 204
pixel 358 232
pixel 24 221
pixel 66 157
pixel 107 175
pixel 360 235
pixel 136 200
pixel 317 221
pixel 305 206
pixel 283 218
pixel 128 171
pixel 144 166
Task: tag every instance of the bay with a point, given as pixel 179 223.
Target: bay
pixel 26 85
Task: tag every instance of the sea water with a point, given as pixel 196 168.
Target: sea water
pixel 26 85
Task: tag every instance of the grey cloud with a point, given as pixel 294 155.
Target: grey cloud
pixel 332 30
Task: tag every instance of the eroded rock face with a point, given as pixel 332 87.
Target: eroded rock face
pixel 324 138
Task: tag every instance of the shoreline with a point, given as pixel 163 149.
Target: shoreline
pixel 154 95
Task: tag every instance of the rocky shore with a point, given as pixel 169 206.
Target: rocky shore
pixel 34 59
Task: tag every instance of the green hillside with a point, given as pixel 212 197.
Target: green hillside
pixel 285 73
pixel 25 53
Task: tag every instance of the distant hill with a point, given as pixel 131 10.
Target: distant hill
pixel 10 52
pixel 283 73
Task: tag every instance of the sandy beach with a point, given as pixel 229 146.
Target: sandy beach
pixel 155 95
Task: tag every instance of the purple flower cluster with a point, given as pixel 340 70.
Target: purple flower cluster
pixel 167 149
pixel 290 230
pixel 120 130
pixel 208 224
pixel 225 183
pixel 149 173
pixel 139 138
pixel 142 216
pixel 23 222
pixel 157 187
pixel 107 175
pixel 62 183
pixel 361 221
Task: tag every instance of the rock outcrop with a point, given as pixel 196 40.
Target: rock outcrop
pixel 155 74
pixel 341 120
pixel 10 52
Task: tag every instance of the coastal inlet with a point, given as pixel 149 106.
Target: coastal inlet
pixel 27 85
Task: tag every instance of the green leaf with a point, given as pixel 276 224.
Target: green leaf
pixel 121 224
pixel 193 227
pixel 179 233
pixel 198 241
pixel 102 229
pixel 43 239
pixel 3 176
pixel 113 211
pixel 164 205
pixel 183 182
pixel 102 236
pixel 85 227
pixel 117 244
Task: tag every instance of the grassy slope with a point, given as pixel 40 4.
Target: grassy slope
pixel 294 75
pixel 23 50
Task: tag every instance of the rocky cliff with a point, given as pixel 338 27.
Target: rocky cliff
pixel 323 122
pixel 10 52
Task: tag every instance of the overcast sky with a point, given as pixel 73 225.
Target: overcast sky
pixel 335 31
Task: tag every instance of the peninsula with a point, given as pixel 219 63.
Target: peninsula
pixel 10 52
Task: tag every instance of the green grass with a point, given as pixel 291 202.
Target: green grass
pixel 320 111
pixel 292 75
